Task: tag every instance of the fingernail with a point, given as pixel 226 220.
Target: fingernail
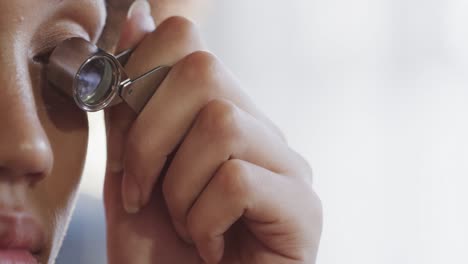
pixel 131 195
pixel 140 10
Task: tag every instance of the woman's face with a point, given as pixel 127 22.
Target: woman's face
pixel 43 135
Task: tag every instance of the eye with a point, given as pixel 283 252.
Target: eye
pixel 43 56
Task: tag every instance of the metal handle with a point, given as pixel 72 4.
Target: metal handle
pixel 124 56
pixel 136 93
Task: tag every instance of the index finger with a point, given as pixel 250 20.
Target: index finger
pixel 172 40
pixel 118 119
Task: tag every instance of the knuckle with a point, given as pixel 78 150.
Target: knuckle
pixel 179 28
pixel 221 120
pixel 233 178
pixel 172 40
pixel 201 69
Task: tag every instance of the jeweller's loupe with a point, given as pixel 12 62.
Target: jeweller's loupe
pixel 96 79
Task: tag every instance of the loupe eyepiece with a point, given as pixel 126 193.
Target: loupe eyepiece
pixel 86 73
pixel 96 79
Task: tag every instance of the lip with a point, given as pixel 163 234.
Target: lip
pixel 21 238
pixel 17 257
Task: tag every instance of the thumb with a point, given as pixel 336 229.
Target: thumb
pixel 139 22
pixel 118 118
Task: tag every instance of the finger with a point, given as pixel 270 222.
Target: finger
pixel 274 208
pixel 172 40
pixel 138 23
pixel 193 82
pixel 221 132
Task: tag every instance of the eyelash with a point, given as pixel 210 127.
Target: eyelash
pixel 43 56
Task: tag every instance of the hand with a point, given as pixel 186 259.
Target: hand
pixel 201 175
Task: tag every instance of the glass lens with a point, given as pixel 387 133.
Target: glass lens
pixel 95 81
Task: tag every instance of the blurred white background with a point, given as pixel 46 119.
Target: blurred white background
pixel 374 94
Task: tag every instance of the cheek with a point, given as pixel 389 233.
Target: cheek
pixel 66 127
pixel 69 150
pixel 57 193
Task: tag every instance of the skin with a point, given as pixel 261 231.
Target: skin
pixel 39 128
pixel 200 175
pixel 205 176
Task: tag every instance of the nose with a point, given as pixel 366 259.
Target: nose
pixel 25 151
pixel 24 155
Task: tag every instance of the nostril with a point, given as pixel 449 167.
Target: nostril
pixel 31 178
pixel 35 177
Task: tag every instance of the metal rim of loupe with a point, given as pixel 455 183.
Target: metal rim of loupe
pixel 110 95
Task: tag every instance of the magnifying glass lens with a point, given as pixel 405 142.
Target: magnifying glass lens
pixel 94 81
